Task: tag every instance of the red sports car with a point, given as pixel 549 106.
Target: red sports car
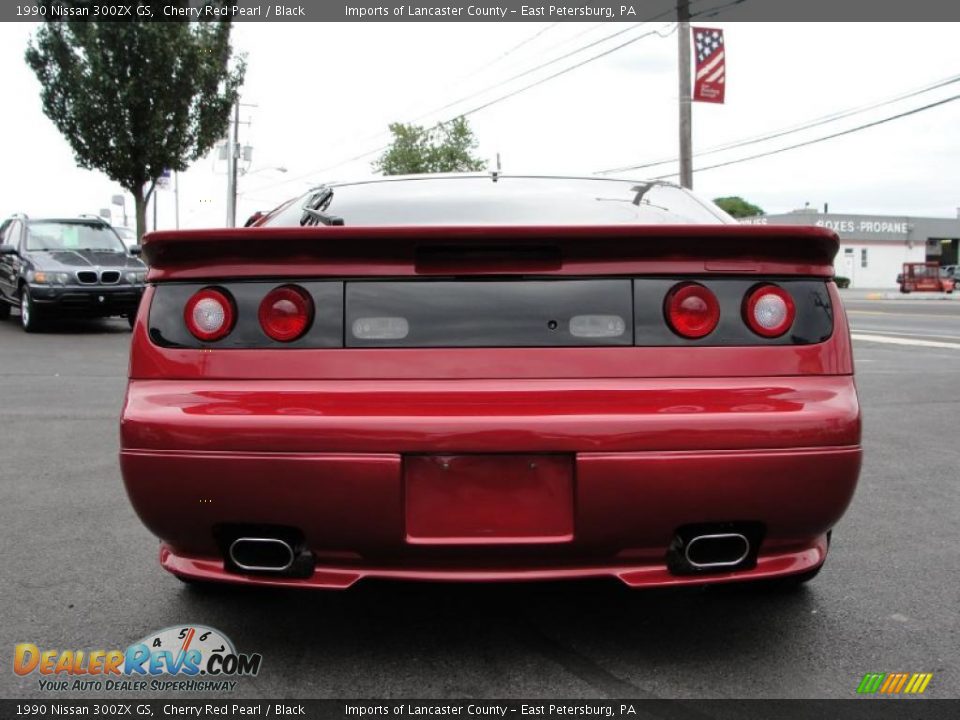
pixel 487 377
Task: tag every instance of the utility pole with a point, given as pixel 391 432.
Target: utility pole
pixel 232 147
pixel 686 121
pixel 176 199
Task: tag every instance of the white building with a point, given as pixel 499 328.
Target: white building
pixel 873 248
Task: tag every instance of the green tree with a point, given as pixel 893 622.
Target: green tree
pixel 738 207
pixel 446 147
pixel 136 98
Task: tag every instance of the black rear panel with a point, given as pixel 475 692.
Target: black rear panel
pixel 590 312
pixel 491 313
pixel 167 326
pixel 813 323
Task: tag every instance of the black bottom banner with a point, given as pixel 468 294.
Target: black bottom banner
pixel 859 709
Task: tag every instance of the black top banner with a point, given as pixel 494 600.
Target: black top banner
pixel 482 11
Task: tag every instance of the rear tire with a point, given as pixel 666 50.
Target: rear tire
pixel 199 586
pixel 795 582
pixel 30 320
pixel 131 320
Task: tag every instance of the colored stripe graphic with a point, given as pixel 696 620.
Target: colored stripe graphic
pixel 922 685
pixel 894 683
pixel 889 682
pixel 871 683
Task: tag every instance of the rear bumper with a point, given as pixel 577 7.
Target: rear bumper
pixel 770 565
pixel 647 457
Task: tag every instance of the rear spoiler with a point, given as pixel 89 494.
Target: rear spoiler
pixel 399 251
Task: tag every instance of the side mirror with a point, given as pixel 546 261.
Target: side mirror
pixel 8 250
pixel 135 250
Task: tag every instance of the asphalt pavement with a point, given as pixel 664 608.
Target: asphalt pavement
pixel 80 571
pixel 934 318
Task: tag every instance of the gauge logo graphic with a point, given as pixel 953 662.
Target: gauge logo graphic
pixel 188 650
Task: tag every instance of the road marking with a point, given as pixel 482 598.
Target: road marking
pixel 935 316
pixel 886 339
pixel 898 333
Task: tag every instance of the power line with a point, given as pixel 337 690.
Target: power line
pixel 816 122
pixel 708 12
pixel 492 102
pixel 507 53
pixel 541 81
pixel 821 139
pixel 532 70
pixel 480 92
pixel 476 71
pixel 570 38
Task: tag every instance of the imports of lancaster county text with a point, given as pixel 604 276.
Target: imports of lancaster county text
pixel 487 12
pixel 544 710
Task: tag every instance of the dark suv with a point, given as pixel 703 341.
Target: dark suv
pixel 74 267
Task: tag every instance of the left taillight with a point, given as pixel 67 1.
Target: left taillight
pixel 209 314
pixel 286 313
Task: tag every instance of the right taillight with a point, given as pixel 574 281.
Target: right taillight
pixel 692 310
pixel 209 314
pixel 769 311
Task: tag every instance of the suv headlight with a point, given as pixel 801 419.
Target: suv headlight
pixel 136 278
pixel 48 278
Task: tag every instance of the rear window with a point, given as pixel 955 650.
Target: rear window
pixel 481 200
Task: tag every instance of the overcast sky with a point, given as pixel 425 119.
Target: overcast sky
pixel 324 93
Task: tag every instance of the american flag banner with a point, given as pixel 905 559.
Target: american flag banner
pixel 710 80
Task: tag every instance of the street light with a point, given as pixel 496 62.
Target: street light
pixel 122 201
pixel 277 168
pixel 274 168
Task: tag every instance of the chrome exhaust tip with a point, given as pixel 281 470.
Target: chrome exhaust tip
pixel 717 550
pixel 715 547
pixel 262 554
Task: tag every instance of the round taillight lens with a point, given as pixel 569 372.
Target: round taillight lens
pixel 286 313
pixel 209 314
pixel 769 311
pixel 692 311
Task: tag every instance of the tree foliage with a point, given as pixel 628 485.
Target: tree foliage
pixel 738 207
pixel 136 98
pixel 446 147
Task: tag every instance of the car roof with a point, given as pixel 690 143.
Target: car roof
pixel 501 199
pixel 492 176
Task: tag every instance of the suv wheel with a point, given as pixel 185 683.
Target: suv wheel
pixel 29 319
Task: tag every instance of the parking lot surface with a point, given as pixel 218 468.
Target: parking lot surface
pixel 80 571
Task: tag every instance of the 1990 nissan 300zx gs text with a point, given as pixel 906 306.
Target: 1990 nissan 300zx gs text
pixel 491 378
